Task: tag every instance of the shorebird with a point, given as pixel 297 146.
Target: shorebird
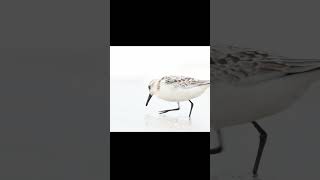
pixel 177 89
pixel 249 85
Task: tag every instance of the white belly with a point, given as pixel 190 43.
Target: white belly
pixel 169 93
pixel 237 105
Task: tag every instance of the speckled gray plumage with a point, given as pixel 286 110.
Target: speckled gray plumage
pixel 233 64
pixel 183 82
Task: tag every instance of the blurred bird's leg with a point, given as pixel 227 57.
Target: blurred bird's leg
pixel 262 142
pixel 165 111
pixel 190 109
pixel 218 149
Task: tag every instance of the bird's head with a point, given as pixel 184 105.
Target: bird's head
pixel 153 89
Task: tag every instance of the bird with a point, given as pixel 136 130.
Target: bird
pixel 250 84
pixel 177 89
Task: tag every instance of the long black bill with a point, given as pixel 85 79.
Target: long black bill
pixel 149 97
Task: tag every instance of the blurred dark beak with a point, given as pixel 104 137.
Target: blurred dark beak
pixel 149 97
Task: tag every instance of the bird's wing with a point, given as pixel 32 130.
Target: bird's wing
pixel 243 65
pixel 183 82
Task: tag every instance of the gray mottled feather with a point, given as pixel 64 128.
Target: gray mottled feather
pixel 237 65
pixel 183 82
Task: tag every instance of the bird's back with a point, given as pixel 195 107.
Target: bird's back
pixel 243 66
pixel 179 88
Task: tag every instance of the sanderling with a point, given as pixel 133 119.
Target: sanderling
pixel 249 85
pixel 177 89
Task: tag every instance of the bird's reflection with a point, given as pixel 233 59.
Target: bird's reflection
pixel 165 122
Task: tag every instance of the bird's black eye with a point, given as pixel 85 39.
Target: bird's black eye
pixel 149 87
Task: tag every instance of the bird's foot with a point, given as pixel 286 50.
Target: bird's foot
pixel 216 150
pixel 255 175
pixel 164 111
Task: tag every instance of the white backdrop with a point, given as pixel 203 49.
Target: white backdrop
pixel 131 70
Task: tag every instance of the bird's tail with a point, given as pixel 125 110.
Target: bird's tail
pixel 204 82
pixel 301 65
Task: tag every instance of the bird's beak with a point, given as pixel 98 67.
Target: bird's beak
pixel 149 97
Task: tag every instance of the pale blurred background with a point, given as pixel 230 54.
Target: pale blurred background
pixel 131 70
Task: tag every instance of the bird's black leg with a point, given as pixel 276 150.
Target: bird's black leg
pixel 218 149
pixel 165 111
pixel 191 108
pixel 262 142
